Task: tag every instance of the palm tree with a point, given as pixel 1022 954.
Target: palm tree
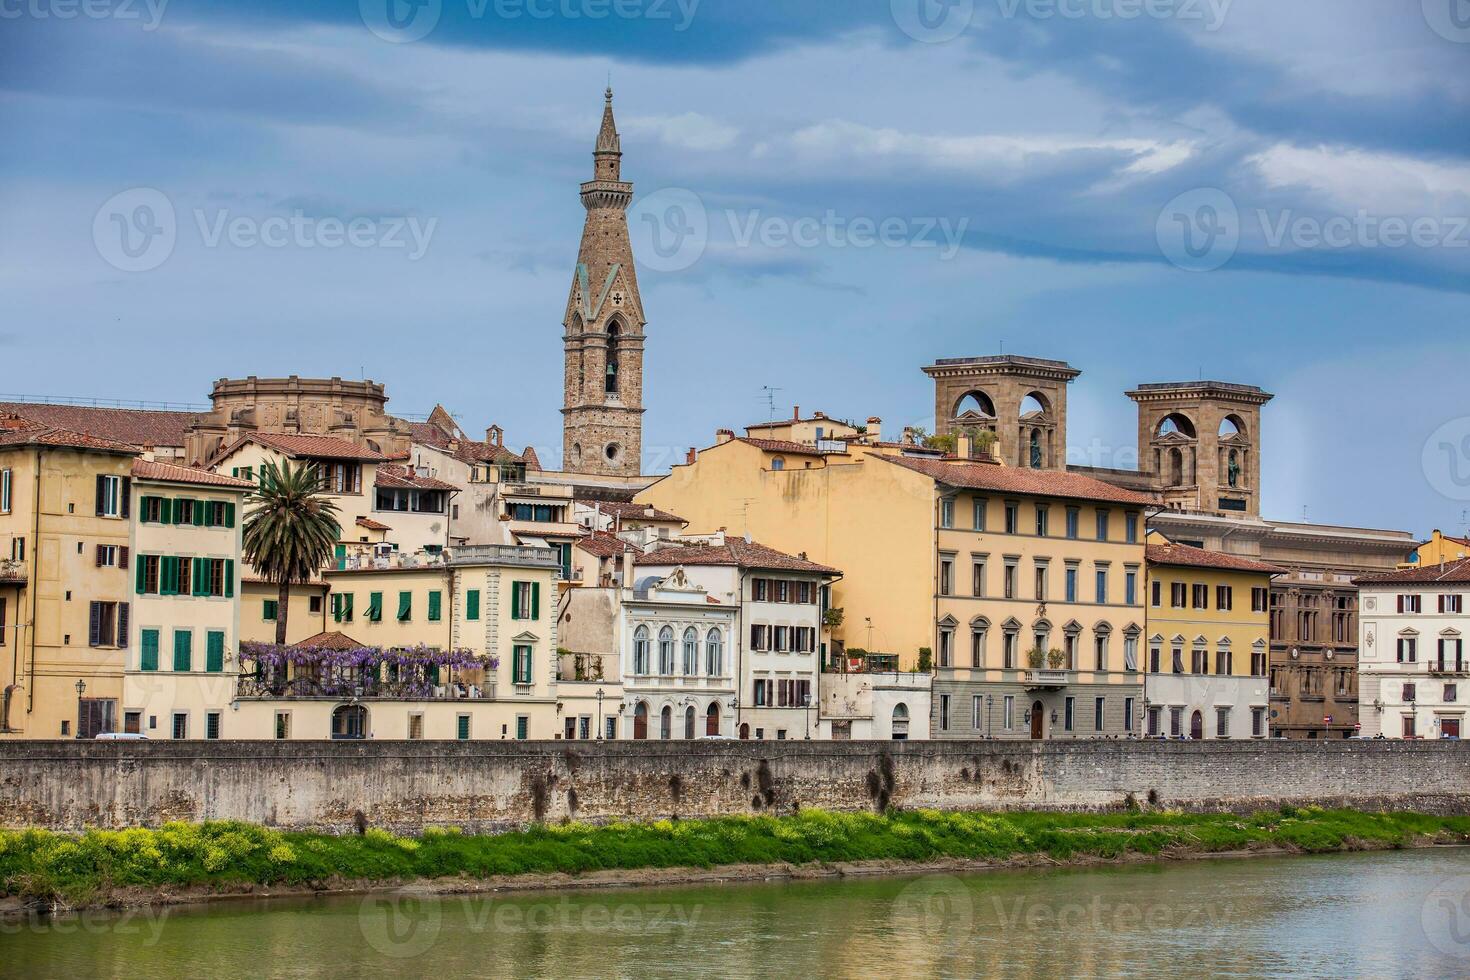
pixel 292 530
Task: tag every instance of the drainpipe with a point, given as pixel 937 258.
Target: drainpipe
pixel 35 566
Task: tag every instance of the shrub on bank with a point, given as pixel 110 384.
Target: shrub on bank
pixel 45 866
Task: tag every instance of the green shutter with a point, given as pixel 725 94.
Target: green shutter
pixel 268 610
pixel 168 575
pixel 405 606
pixel 535 600
pixel 201 576
pixel 515 599
pixel 148 658
pixel 229 578
pixel 375 607
pixel 214 660
pixel 336 607
pixel 199 507
pixel 164 511
pixel 229 514
pixel 183 649
pixel 464 727
pixel 434 674
pixel 141 563
pixel 435 602
pixel 347 607
pixel 235 472
pixel 472 604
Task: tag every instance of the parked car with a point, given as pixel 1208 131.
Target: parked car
pixel 121 737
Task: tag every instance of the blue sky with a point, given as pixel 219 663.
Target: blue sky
pixel 1040 167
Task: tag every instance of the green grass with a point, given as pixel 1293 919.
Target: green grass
pixel 44 866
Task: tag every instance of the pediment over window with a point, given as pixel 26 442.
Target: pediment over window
pixel 525 638
pixel 948 623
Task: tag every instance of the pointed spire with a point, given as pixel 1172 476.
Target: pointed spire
pixel 607 136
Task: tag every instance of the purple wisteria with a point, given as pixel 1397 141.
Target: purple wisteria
pixel 421 672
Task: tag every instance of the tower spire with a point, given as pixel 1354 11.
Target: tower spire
pixel 607 136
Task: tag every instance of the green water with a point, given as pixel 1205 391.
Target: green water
pixel 1388 915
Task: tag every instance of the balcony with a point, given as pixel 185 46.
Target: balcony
pixel 366 688
pixel 1043 678
pixel 13 572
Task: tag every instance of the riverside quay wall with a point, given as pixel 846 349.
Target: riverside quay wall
pixel 479 786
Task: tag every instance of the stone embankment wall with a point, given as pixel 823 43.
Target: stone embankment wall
pixel 404 786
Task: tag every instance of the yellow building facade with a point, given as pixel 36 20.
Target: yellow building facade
pixel 1440 549
pixel 1208 649
pixel 64 580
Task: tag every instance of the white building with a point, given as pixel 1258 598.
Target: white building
pixel 1411 653
pixel 779 602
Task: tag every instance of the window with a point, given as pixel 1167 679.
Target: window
pixel 978 513
pixel 1130 653
pixel 342 477
pixel 946 648
pixel 112 496
pixel 436 600
pixel 1042 513
pixel 1012 511
pixel 1127 714
pixel 1258 599
pixel 1010 578
pixel 1258 663
pixel 214 651
pixel 314 605
pixel 977 577
pixel 1154 716
pixel 1199 597
pixel 1102 525
pixel 211 724
pixel 975 704
pixel 1070 585
pixel 1041 567
pixel 269 610
pixel 1199 661
pixel 1409 692
pixel 107 624
pixel 1130 527
pixel 1102 584
pixel 17 549
pixel 1449 603
pixel 1409 730
pixel 525 600
pixel 183 650
pixel 977 646
pixel 1258 723
pixel 666 651
pixel 691 652
pixel 1451 693
pixel 1069 718
pixel 1451 654
pixel 1409 603
pixel 5 493
pixel 1099 706
pixel 1074 515
pixel 946 512
pixel 1176 595
pixel 1224 662
pixel 1100 651
pixel 1008 650
pixel 375 607
pixel 1008 712
pixel 472 604
pixel 111 556
pixel 1224 598
pixel 640 650
pixel 181 724
pixel 1178 660
pixel 1130 586
pixel 944 712
pixel 760 637
pixel 1176 722
pixel 1153 660
pixel 410 501
pixel 946 576
pixel 523 727
pixel 1222 722
pixel 714 655
pixel 1156 589
pixel 1408 649
pixel 283 725
pixel 522 664
pixel 148 650
pixel 461 727
pixel 405 606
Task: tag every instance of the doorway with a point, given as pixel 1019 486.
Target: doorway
pixel 1036 720
pixel 1196 726
pixel 640 721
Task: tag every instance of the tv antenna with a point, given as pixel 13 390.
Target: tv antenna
pixel 769 394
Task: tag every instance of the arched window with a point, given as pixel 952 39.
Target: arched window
pixel 712 719
pixel 714 654
pixel 1035 449
pixel 349 722
pixel 666 652
pixel 691 653
pixel 1232 469
pixel 640 720
pixel 977 403
pixel 900 722
pixel 778 463
pixel 689 722
pixel 666 723
pixel 1176 468
pixel 1033 406
pixel 640 650
pixel 614 330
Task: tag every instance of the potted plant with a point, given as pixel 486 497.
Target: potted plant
pixel 1056 659
pixel 1036 658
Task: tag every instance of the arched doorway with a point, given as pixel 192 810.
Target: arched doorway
pixel 689 722
pixel 1196 726
pixel 900 722
pixel 712 719
pixel 640 720
pixel 666 722
pixel 349 722
pixel 745 731
pixel 1037 719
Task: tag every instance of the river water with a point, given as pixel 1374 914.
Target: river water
pixel 1404 914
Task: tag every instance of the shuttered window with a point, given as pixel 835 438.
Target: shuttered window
pixel 405 606
pixel 183 650
pixel 462 728
pixel 522 672
pixel 472 604
pixel 435 602
pixel 268 611
pixel 375 607
pixel 214 657
pixel 148 656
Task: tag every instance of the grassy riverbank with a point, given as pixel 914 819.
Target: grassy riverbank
pixel 89 868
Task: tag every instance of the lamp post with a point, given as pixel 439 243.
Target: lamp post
pixel 81 689
pixel 989 703
pixel 806 711
pixel 599 714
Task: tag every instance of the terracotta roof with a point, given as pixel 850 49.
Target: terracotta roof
pixel 144 469
pixel 26 432
pixel 601 544
pixel 533 462
pixel 372 525
pixel 1015 479
pixel 329 641
pixel 735 551
pixel 310 447
pixel 624 510
pixel 1185 555
pixel 1451 572
pixel 778 423
pixel 134 426
pixel 783 446
pixel 394 476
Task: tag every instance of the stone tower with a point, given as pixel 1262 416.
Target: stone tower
pixel 602 414
pixel 1201 443
pixel 1021 400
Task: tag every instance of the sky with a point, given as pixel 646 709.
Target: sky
pixel 829 194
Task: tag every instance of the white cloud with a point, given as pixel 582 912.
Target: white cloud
pixel 1358 179
pixel 688 131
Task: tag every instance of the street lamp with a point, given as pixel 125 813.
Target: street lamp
pixel 806 706
pixel 599 714
pixel 81 689
pixel 989 703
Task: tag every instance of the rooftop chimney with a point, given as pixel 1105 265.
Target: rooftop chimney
pixel 964 446
pixel 796 413
pixel 875 428
pixel 691 456
pixel 723 436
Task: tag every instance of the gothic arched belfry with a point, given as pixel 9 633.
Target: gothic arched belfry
pixel 602 413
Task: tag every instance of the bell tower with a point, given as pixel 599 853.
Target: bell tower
pixel 602 413
pixel 1201 443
